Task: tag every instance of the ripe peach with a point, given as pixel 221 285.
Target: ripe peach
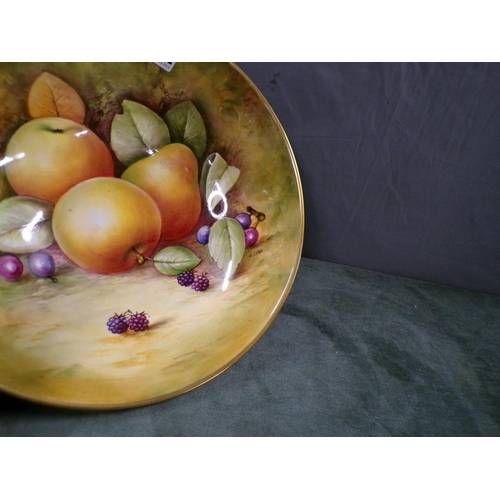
pixel 99 222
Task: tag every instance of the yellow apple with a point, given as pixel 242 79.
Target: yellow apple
pixel 47 156
pixel 99 222
pixel 170 177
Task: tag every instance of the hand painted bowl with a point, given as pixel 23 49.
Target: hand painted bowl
pixel 70 340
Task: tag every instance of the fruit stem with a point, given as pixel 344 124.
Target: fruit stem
pixel 260 216
pixel 140 258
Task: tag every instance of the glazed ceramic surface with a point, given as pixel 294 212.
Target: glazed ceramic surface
pixel 55 344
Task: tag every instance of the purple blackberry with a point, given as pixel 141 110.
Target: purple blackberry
pixel 117 324
pixel 138 322
pixel 185 278
pixel 200 283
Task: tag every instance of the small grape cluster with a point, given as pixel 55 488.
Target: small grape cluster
pixel 120 323
pixel 41 264
pixel 198 282
pixel 245 219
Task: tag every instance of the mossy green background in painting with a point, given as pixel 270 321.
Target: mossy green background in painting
pixel 54 345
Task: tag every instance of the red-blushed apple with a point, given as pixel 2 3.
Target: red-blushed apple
pixel 170 177
pixel 47 156
pixel 101 223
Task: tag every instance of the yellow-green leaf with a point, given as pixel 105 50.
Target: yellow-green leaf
pixel 25 224
pixel 50 96
pixel 217 178
pixel 137 133
pixel 186 126
pixel 227 245
pixel 174 260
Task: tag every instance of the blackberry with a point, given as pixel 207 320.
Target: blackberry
pixel 185 278
pixel 138 322
pixel 117 324
pixel 200 283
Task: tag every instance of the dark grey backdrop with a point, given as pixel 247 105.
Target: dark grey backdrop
pixel 400 164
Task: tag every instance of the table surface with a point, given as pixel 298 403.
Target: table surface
pixel 351 353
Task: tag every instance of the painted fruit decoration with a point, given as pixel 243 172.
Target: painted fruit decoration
pixel 48 156
pixel 170 177
pixel 118 200
pixel 99 222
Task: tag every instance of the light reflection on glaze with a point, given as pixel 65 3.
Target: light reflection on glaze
pixel 217 192
pixel 9 159
pixel 28 230
pixel 228 274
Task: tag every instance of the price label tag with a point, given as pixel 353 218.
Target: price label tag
pixel 167 66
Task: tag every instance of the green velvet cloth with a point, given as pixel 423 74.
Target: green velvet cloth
pixel 351 353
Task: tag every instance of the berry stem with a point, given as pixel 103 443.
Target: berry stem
pixel 260 215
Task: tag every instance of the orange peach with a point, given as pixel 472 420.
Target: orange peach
pixel 101 223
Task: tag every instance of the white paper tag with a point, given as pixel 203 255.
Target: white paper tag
pixel 166 66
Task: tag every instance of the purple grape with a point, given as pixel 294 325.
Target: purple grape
pixel 200 283
pixel 185 278
pixel 244 219
pixel 11 267
pixel 41 264
pixel 251 237
pixel 117 324
pixel 138 322
pixel 202 235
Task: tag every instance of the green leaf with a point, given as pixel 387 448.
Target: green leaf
pixel 217 178
pixel 227 245
pixel 186 125
pixel 175 260
pixel 137 133
pixel 205 168
pixel 25 224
